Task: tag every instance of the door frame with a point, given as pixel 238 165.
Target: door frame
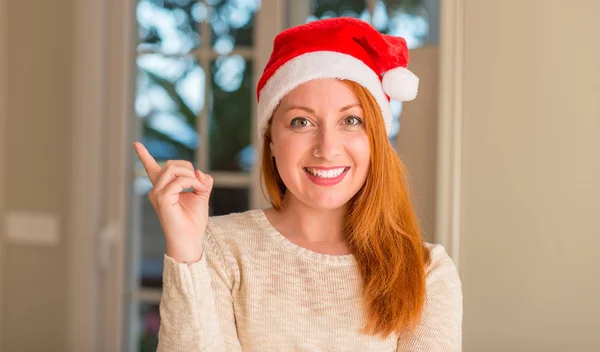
pixel 98 226
pixel 449 164
pixel 115 239
pixel 3 121
pixel 86 195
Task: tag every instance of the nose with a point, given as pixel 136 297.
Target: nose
pixel 329 144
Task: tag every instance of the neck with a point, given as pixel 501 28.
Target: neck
pixel 311 224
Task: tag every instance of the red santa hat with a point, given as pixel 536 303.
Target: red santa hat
pixel 343 48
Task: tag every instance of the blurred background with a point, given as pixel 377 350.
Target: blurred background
pixel 502 145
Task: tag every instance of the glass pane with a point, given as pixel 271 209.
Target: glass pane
pixel 228 200
pixel 169 96
pixel 149 318
pixel 230 118
pixel 339 8
pixel 396 107
pixel 152 239
pixel 404 18
pixel 169 26
pixel 232 23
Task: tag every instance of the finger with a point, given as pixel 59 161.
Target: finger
pixel 206 179
pixel 150 165
pixel 180 183
pixel 170 172
pixel 184 163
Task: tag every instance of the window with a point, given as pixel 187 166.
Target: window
pixel 196 75
pixel 193 101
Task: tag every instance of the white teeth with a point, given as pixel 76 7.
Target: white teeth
pixel 333 173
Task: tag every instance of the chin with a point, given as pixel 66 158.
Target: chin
pixel 328 202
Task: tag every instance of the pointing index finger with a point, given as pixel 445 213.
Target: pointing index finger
pixel 150 165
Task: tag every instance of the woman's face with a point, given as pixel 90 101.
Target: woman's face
pixel 322 115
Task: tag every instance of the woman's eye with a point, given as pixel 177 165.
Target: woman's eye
pixel 300 122
pixel 352 121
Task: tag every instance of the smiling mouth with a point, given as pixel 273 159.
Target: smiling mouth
pixel 326 174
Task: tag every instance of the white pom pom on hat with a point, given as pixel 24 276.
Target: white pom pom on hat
pixel 343 48
pixel 400 84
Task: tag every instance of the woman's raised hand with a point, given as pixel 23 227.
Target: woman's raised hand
pixel 182 215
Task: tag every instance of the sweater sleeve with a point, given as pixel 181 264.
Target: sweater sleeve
pixel 196 306
pixel 440 327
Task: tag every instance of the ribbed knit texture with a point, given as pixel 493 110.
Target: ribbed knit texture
pixel 254 290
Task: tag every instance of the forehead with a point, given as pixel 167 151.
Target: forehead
pixel 328 91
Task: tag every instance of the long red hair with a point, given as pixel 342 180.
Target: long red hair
pixel 381 229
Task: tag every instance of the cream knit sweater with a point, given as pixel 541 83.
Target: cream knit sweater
pixel 254 290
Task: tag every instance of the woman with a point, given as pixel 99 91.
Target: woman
pixel 337 263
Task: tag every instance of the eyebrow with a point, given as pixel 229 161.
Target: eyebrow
pixel 311 111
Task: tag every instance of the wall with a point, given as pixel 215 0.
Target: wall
pixel 416 142
pixel 36 171
pixel 531 168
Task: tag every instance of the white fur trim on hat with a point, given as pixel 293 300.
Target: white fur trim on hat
pixel 314 65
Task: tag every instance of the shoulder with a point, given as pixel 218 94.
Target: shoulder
pixel 234 222
pixel 440 326
pixel 234 230
pixel 441 273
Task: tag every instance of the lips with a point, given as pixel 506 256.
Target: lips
pixel 327 173
pixel 326 176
